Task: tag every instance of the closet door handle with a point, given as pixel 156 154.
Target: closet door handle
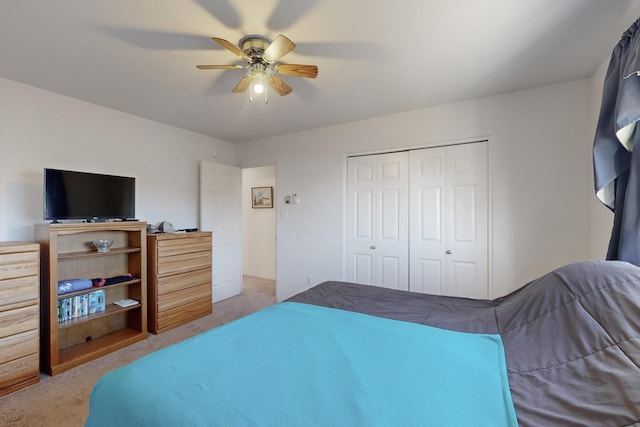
pixel 448 252
pixel 372 247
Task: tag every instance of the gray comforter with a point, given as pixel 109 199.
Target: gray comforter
pixel 571 337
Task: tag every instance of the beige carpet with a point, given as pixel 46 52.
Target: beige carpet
pixel 63 400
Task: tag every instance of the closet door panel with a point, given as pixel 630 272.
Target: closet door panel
pixel 467 225
pixel 430 276
pixel 390 273
pixel 363 214
pixel 463 214
pixel 427 220
pixel 448 220
pixel 430 218
pixel 390 223
pixel 363 268
pixel 360 226
pixel 463 280
pixel 377 220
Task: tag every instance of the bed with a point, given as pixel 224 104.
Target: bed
pixel 561 350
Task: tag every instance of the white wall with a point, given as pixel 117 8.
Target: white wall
pixel 540 180
pixel 41 129
pixel 258 225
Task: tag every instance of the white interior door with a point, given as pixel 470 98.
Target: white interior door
pixel 377 230
pixel 449 220
pixel 428 224
pixel 467 225
pixel 221 213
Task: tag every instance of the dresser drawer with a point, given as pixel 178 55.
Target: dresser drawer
pixel 18 371
pixel 20 320
pixel 184 296
pixel 18 292
pixel 19 264
pixel 177 316
pixel 176 282
pixel 171 247
pixel 181 263
pixel 19 345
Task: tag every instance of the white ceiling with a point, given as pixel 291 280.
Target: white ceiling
pixel 375 57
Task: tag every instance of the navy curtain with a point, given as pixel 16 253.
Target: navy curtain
pixel 616 148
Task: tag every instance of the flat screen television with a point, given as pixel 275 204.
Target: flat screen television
pixel 88 196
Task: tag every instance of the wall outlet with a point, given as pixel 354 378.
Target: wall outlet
pixel 309 280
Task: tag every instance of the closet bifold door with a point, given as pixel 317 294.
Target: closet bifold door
pixel 377 246
pixel 449 220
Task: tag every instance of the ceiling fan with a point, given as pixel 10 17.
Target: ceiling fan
pixel 262 56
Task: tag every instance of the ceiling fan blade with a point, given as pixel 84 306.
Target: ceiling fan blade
pixel 297 70
pixel 278 48
pixel 219 67
pixel 242 85
pixel 231 47
pixel 279 85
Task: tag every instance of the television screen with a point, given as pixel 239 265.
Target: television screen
pixel 90 196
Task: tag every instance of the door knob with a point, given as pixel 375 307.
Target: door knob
pixel 372 247
pixel 448 252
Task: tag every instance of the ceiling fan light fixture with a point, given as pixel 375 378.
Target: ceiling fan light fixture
pixel 258 85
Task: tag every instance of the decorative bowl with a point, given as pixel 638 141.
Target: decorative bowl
pixel 102 245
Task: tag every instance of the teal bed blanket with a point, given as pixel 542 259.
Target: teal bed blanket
pixel 296 364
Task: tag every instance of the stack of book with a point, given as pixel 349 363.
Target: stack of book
pixel 80 305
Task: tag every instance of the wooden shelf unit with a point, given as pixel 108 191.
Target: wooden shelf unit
pixel 179 285
pixel 68 253
pixel 19 314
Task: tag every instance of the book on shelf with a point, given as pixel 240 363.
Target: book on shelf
pixel 96 301
pixel 127 302
pixel 81 305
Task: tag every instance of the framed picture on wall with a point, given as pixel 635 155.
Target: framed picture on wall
pixel 261 197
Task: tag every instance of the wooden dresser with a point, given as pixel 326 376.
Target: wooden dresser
pixel 19 315
pixel 179 279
